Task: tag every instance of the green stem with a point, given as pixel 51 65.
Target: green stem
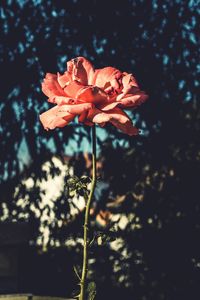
pixel 86 222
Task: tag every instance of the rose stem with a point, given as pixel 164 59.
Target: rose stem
pixel 86 222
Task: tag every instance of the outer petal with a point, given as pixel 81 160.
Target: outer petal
pixel 126 128
pixel 130 101
pixel 116 116
pixel 51 87
pixel 81 69
pixel 129 79
pixel 52 118
pixel 130 86
pixel 83 119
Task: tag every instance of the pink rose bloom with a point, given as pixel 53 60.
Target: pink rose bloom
pixel 95 96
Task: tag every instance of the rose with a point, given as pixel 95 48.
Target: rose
pixel 96 96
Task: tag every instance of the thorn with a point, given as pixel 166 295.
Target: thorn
pixel 76 272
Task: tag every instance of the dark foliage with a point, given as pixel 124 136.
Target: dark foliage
pixel 155 174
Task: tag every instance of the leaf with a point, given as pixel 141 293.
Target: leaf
pixel 105 237
pixel 85 179
pixel 78 186
pixel 72 181
pixel 91 289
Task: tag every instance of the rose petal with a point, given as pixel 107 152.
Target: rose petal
pixel 98 116
pixel 51 87
pixel 121 120
pixel 75 109
pixel 104 76
pixel 108 106
pixel 131 90
pixel 73 88
pixel 115 84
pixel 83 119
pixel 92 94
pixel 116 116
pixel 130 101
pixel 126 128
pixel 52 119
pixel 64 79
pixel 129 86
pixel 129 79
pixel 85 93
pixel 83 116
pixel 81 69
pixel 60 100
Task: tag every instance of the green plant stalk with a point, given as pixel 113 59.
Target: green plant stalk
pixel 86 221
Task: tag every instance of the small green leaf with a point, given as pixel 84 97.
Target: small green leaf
pixel 91 289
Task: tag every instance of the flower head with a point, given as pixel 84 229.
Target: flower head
pixel 95 96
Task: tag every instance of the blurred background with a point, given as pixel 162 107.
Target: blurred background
pixel 146 213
